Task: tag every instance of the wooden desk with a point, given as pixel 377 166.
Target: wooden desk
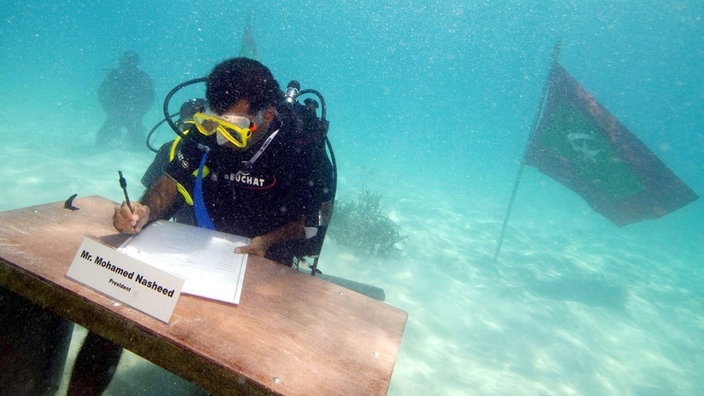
pixel 291 334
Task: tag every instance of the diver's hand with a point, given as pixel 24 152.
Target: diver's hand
pixel 258 247
pixel 130 222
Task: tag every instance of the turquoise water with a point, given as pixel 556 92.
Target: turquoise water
pixel 430 103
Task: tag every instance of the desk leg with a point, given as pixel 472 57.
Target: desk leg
pixel 33 347
pixel 94 366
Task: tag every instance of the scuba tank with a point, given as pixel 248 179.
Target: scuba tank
pixel 314 142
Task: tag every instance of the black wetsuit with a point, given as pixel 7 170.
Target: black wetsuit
pixel 276 189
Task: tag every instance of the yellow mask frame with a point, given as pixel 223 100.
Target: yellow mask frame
pixel 209 125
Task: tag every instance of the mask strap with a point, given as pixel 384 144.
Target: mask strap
pixel 201 212
pixel 259 118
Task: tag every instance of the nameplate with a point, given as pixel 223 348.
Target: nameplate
pixel 125 279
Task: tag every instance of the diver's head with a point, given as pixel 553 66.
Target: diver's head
pixel 242 95
pixel 129 59
pixel 241 78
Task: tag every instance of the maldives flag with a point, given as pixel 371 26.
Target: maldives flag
pixel 580 144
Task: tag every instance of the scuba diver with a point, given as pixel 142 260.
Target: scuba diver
pixel 306 134
pixel 244 164
pixel 126 94
pixel 241 166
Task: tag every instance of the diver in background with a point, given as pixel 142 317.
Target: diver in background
pixel 126 94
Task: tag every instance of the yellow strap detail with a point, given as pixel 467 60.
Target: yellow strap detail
pixel 206 171
pixel 184 193
pixel 172 153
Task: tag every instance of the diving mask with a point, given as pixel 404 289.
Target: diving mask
pixel 229 127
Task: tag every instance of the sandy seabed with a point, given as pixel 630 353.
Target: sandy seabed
pixel 573 306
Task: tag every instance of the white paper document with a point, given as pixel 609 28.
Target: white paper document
pixel 205 258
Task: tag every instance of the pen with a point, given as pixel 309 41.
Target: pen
pixel 123 184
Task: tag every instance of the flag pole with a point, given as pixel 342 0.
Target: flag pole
pixel 555 54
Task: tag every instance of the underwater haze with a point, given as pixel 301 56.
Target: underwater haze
pixel 431 104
